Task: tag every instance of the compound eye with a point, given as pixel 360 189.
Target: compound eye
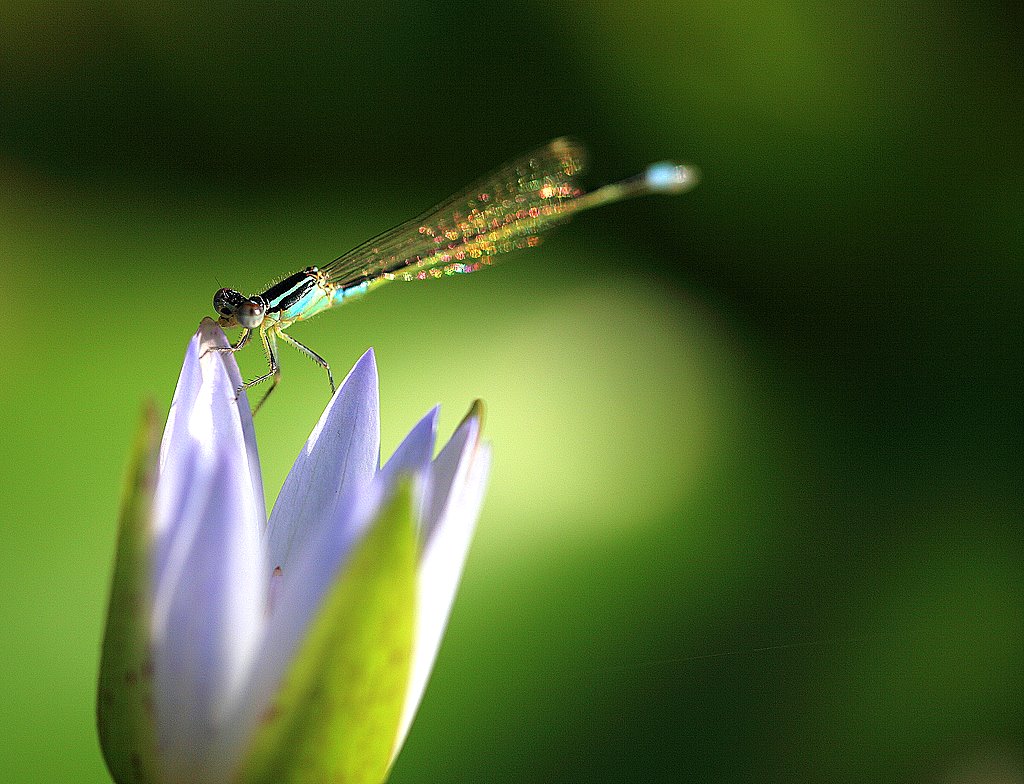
pixel 250 314
pixel 224 301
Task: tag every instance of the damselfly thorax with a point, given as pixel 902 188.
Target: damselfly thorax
pixel 503 212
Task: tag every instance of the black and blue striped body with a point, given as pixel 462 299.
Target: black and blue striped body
pixel 304 295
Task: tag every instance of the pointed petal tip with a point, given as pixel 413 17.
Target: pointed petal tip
pixel 414 453
pixel 476 412
pixel 208 328
pixel 368 356
pixel 433 414
pixel 208 335
pixel 363 376
pixel 428 422
pixel 363 373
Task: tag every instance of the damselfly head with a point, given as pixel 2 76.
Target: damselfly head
pixel 237 310
pixel 226 301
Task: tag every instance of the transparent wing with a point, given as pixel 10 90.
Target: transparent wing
pixel 504 211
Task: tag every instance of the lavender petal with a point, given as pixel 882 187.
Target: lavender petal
pixel 334 468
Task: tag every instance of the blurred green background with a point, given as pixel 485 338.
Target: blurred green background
pixel 755 507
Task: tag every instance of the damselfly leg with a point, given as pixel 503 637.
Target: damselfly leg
pixel 309 353
pixel 274 374
pixel 242 340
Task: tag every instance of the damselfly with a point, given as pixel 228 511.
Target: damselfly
pixel 505 211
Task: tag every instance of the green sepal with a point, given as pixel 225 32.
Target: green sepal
pixel 336 715
pixel 125 695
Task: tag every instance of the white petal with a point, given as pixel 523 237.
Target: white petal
pixel 448 471
pixel 412 458
pixel 344 502
pixel 185 393
pixel 334 468
pixel 183 441
pixel 444 555
pixel 415 451
pixel 209 588
pixel 299 590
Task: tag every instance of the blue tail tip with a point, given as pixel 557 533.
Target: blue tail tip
pixel 668 177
